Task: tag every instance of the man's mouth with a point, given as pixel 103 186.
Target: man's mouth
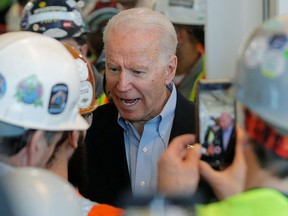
pixel 130 102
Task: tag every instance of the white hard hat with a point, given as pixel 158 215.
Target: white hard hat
pixel 87 102
pixel 262 72
pixel 39 83
pixel 188 12
pixel 34 192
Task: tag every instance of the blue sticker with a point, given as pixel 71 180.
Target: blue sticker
pixel 2 86
pixel 278 41
pixel 29 91
pixel 58 99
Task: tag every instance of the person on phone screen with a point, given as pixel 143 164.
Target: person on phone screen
pixel 224 136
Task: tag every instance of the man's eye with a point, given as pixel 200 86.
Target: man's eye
pixel 137 72
pixel 114 69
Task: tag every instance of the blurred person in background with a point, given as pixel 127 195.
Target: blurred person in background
pixel 68 159
pixel 62 20
pixel 257 181
pixel 188 17
pixel 14 15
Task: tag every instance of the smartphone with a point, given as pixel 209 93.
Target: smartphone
pixel 216 125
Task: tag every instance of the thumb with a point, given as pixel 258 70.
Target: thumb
pixel 207 172
pixel 194 153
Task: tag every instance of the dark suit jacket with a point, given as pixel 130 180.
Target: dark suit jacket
pixel 106 157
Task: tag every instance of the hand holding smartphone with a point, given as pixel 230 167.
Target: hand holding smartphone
pixel 216 114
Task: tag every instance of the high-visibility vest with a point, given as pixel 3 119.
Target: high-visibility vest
pixel 104 209
pixel 262 201
pixel 103 99
pixel 201 75
pixel 91 208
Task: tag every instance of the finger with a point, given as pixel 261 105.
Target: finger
pixel 207 172
pixel 239 149
pixel 180 143
pixel 194 154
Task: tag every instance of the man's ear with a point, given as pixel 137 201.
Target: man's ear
pixel 171 69
pixel 181 36
pixel 73 139
pixel 34 147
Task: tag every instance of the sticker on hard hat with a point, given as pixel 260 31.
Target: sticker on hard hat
pixel 273 64
pixel 55 33
pixel 2 86
pixel 58 99
pixel 29 91
pixel 78 20
pixel 82 69
pixel 254 53
pixel 278 41
pixel 86 94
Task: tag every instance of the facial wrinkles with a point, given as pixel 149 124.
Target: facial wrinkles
pixel 138 52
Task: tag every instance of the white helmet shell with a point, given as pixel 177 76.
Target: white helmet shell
pixel 262 72
pixel 34 192
pixel 39 83
pixel 188 12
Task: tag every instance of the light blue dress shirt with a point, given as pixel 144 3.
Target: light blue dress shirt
pixel 143 152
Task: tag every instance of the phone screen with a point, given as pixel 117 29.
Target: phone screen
pixel 216 116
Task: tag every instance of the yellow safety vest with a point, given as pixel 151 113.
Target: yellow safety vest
pixel 262 202
pixel 202 75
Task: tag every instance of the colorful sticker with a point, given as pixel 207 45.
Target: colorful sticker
pixel 58 99
pixel 278 41
pixel 67 24
pixel 29 91
pixel 82 69
pixel 2 86
pixel 273 64
pixel 86 94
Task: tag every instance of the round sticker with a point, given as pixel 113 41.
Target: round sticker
pixel 255 51
pixel 86 94
pixel 278 41
pixel 55 33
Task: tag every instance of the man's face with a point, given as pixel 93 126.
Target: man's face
pixel 136 76
pixel 225 121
